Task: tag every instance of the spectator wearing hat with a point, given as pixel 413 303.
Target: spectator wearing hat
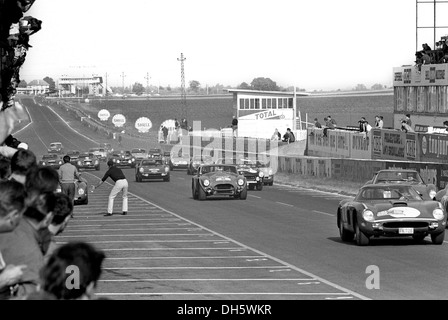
pixel 121 184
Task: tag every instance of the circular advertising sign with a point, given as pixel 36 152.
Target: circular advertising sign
pixel 104 115
pixel 118 120
pixel 143 124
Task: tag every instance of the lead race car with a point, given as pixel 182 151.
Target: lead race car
pixel 249 169
pixel 390 210
pixel 218 180
pixel 152 169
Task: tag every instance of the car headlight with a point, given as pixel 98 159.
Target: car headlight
pixel 81 191
pixel 240 182
pixel 271 172
pixel 261 174
pixel 43 163
pixel 368 215
pixel 438 214
pixel 141 170
pixel 60 162
pixel 79 163
pixel 58 190
pixel 432 193
pixel 96 162
pixel 167 169
pixel 129 161
pixel 206 182
pixel 133 159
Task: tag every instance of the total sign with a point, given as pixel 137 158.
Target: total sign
pixel 119 120
pixel 143 124
pixel 270 114
pixel 104 115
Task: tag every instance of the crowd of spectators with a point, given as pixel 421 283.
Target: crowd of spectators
pixel 429 56
pixel 32 264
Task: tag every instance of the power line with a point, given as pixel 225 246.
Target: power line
pixel 183 92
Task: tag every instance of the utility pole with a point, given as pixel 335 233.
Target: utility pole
pixel 147 84
pixel 183 92
pixel 122 78
pixel 106 94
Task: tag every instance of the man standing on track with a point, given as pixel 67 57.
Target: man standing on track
pixel 68 175
pixel 121 184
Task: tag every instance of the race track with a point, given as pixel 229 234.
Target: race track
pixel 281 243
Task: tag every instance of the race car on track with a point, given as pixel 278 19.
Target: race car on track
pixel 179 162
pixel 123 159
pixel 390 210
pixel 268 172
pixel 73 154
pixel 81 194
pixel 152 169
pixel 196 162
pixel 247 168
pixel 139 154
pixel 88 161
pixel 405 176
pixel 100 153
pixel 154 153
pixel 218 180
pixel 56 147
pixel 51 160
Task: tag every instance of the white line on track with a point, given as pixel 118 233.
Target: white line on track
pixel 183 280
pixel 167 249
pixel 148 229
pixel 284 204
pixel 338 287
pixel 173 258
pixel 190 268
pixel 225 294
pixel 252 196
pixel 324 213
pixel 142 235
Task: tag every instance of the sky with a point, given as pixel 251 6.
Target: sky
pixel 313 45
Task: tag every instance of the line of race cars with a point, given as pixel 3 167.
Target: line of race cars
pixel 394 203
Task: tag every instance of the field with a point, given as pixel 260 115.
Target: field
pixel 216 112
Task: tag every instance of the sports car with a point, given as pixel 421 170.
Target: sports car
pixel 100 153
pixel 179 162
pixel 56 147
pixel 123 159
pixel 139 154
pixel 390 210
pixel 405 176
pixel 155 153
pixel 152 169
pixel 88 161
pixel 196 162
pixel 248 168
pixel 81 194
pixel 51 160
pixel 218 180
pixel 74 155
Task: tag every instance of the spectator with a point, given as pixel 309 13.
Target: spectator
pixel 379 122
pixel 317 123
pixel 235 126
pixel 121 184
pixel 276 135
pixel 408 120
pixel 331 123
pixel 42 179
pixel 289 136
pixel 176 124
pixel 12 205
pixel 68 176
pixel 445 123
pixel 119 140
pixel 165 134
pixel 405 126
pixel 21 247
pixel 21 163
pixel 362 125
pixel 54 276
pixel 5 168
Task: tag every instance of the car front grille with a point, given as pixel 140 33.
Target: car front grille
pixel 406 224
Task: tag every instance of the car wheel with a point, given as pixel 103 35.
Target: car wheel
pixel 360 238
pixel 260 187
pixel 201 194
pixel 271 184
pixel 438 238
pixel 344 233
pixel 193 191
pixel 243 194
pixel 419 237
pixel 167 179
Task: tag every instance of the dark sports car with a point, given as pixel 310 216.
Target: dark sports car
pixel 390 210
pixel 81 192
pixel 248 168
pixel 196 162
pixel 123 159
pixel 51 160
pixel 88 161
pixel 405 176
pixel 154 153
pixel 218 180
pixel 179 162
pixel 152 169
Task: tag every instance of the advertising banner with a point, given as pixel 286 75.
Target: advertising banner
pixel 433 147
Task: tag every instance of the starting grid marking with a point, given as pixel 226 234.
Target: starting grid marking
pixel 209 267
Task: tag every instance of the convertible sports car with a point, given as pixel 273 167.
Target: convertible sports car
pixel 248 168
pixel 88 161
pixel 196 162
pixel 139 154
pixel 51 160
pixel 218 180
pixel 123 159
pixel 405 176
pixel 179 162
pixel 81 194
pixel 152 169
pixel 390 210
pixel 56 147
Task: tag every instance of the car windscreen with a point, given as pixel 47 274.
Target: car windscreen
pixel 388 193
pixel 398 176
pixel 210 169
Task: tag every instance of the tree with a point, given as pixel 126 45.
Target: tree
pixel 360 87
pixel 244 86
pixel 264 84
pixel 377 86
pixel 194 85
pixel 138 88
pixel 51 83
pixel 23 84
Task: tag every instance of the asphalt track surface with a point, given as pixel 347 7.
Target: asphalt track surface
pixel 282 243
